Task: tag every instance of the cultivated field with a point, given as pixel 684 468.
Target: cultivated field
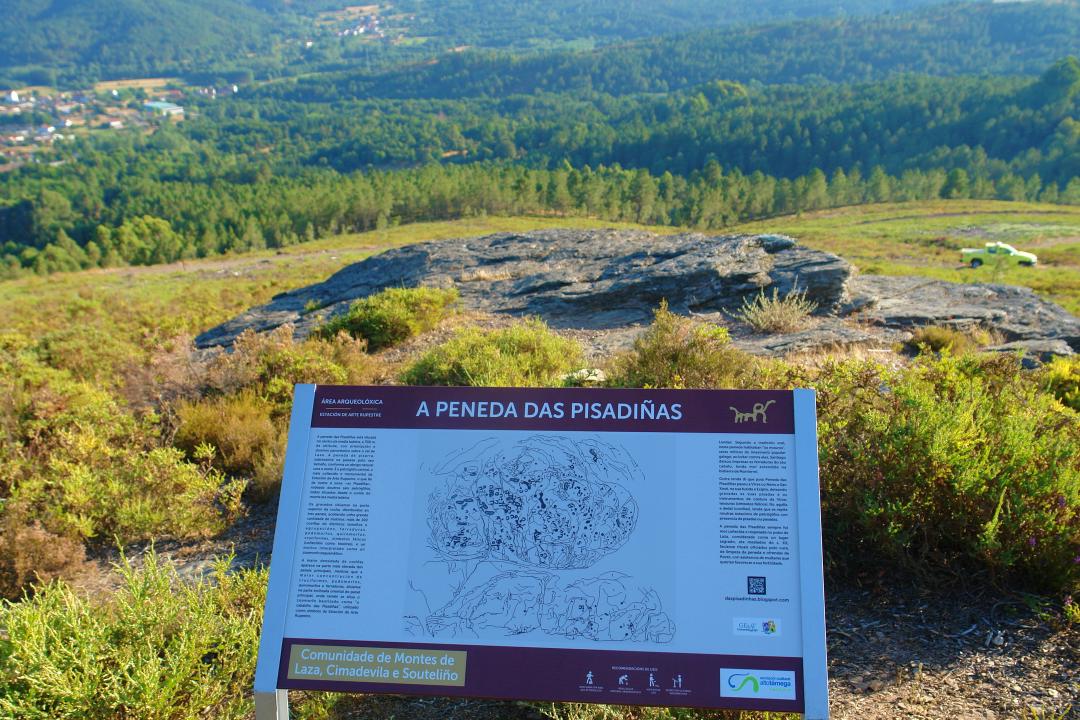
pixel 134 83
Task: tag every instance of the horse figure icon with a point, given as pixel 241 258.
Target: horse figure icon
pixel 759 411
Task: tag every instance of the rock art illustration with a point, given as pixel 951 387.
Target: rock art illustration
pixel 512 522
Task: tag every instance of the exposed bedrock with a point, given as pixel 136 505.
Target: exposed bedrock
pixel 609 279
pixel 572 278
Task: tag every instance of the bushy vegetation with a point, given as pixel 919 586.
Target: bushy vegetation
pixel 677 352
pixel 237 434
pixel 775 314
pixel 1062 378
pixel 936 338
pixel 272 363
pixel 958 463
pixel 240 423
pixel 76 464
pixel 954 464
pixel 160 648
pixel 526 354
pixel 393 315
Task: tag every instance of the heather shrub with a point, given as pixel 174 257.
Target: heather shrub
pixel 29 553
pixel 271 363
pixel 1062 378
pixel 158 649
pixel 246 440
pixel 80 465
pixel 679 352
pixel 777 314
pixel 936 338
pixel 953 464
pixel 244 414
pixel 393 315
pixel 527 354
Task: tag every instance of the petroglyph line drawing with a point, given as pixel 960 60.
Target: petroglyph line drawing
pixel 514 523
pixel 759 411
pixel 547 503
pixel 601 609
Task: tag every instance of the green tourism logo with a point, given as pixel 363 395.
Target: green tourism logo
pixel 750 683
pixel 747 679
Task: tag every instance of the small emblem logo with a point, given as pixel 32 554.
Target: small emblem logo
pixel 759 411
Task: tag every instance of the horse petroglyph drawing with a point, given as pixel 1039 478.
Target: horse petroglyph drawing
pixel 759 411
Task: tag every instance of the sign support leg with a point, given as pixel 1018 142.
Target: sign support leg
pixel 272 705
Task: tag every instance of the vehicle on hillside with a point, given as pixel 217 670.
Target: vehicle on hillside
pixel 997 252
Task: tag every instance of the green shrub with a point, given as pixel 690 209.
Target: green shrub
pixel 94 489
pixel 82 465
pixel 393 315
pixel 247 441
pixel 527 354
pixel 935 338
pixel 158 649
pixel 954 464
pixel 271 363
pixel 678 352
pixel 1062 378
pixel 777 314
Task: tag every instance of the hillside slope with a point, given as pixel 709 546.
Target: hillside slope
pixel 133 35
pixel 953 39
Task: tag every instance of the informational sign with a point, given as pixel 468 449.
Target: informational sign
pixel 641 547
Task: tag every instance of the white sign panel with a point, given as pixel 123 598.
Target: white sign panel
pixel 614 546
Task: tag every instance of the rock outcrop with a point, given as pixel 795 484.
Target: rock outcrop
pixel 573 279
pixel 604 280
pixel 1025 320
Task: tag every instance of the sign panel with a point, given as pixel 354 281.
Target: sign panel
pixel 650 547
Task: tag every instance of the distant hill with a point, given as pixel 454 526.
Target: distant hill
pixel 134 36
pixel 521 24
pixel 955 39
pixel 79 40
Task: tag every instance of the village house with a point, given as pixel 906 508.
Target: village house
pixel 162 108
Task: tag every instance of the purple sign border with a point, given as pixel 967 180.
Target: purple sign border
pixel 556 674
pixel 599 410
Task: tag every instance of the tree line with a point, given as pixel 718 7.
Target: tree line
pixel 168 220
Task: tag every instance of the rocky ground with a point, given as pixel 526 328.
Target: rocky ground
pixel 608 282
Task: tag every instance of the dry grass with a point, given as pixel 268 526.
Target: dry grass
pixel 777 314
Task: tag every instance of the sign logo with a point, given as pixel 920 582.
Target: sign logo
pixel 762 684
pixel 756 626
pixel 759 411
